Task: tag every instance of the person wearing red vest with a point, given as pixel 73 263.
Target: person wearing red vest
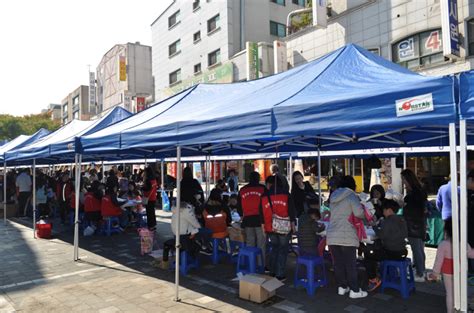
pixel 276 202
pixel 216 215
pixel 110 206
pixel 249 209
pixel 150 188
pixel 93 202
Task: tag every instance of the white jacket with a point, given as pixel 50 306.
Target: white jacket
pixel 189 224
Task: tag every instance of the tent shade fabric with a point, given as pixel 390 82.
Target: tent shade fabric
pixel 466 91
pixel 22 141
pixel 61 143
pixel 344 100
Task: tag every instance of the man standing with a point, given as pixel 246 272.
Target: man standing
pixel 285 187
pixel 23 191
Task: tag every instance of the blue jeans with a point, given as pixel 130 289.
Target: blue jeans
pixel 279 244
pixel 418 249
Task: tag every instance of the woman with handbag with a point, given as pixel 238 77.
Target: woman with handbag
pixel 150 188
pixel 300 190
pixel 342 238
pixel 414 214
pixel 277 212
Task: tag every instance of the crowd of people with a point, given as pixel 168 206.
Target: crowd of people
pixel 269 214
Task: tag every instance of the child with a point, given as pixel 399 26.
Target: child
pixel 392 233
pixel 444 264
pixel 308 228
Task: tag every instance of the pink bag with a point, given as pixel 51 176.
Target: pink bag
pixel 359 226
pixel 146 240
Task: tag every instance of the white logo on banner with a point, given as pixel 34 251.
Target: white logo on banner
pixel 414 105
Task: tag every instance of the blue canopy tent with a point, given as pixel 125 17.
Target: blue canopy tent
pixel 60 146
pixel 348 99
pixel 18 142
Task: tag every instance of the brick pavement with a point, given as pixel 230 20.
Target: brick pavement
pixel 39 275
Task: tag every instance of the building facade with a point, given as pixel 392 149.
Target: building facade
pixel 76 105
pixel 124 78
pixel 54 110
pixel 201 41
pixel 407 32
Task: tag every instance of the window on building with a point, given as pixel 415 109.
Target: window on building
pixel 280 2
pixel 175 77
pixel 65 108
pixel 421 49
pixel 277 29
pixel 75 100
pixel 75 115
pixel 212 24
pixel 173 19
pixel 214 57
pixel 65 120
pixel 174 48
pixel 197 68
pixel 299 2
pixel 196 5
pixel 197 36
pixel 470 36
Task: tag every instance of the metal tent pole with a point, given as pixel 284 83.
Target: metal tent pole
pixel 405 167
pixel 319 177
pixel 214 173
pixel 353 167
pixel 78 159
pixel 4 190
pixel 463 215
pixel 103 171
pixel 34 198
pixel 455 214
pixel 178 216
pixel 162 175
pixel 290 171
pixel 362 173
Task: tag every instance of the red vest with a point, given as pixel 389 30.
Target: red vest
pixel 91 203
pixel 217 223
pixel 152 193
pixel 250 200
pixel 280 208
pixel 107 208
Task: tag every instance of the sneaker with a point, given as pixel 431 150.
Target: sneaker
pixel 342 291
pixel 419 279
pixel 373 284
pixel 206 251
pixel 358 295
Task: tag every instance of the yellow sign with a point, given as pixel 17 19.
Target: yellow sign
pixel 122 68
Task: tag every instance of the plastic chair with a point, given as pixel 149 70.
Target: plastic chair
pixel 218 254
pixel 107 228
pixel 186 263
pixel 247 260
pixel 235 245
pixel 398 275
pixel 314 278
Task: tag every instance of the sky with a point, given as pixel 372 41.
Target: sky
pixel 46 46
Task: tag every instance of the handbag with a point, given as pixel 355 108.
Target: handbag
pixel 280 225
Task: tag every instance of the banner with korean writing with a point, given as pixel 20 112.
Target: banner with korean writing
pixel 122 68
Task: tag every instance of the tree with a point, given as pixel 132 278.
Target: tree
pixel 302 20
pixel 13 126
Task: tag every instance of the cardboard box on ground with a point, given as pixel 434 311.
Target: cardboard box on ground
pixel 258 288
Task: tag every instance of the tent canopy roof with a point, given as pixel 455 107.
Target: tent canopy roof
pixel 22 141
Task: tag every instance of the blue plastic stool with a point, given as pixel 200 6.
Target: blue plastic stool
pixel 218 254
pixel 395 276
pixel 233 246
pixel 107 228
pixel 314 279
pixel 247 260
pixel 186 263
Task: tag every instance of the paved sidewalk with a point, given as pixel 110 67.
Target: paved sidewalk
pixel 39 275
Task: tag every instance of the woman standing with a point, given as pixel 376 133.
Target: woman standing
pixel 377 196
pixel 150 188
pixel 191 191
pixel 300 190
pixel 342 237
pixel 414 214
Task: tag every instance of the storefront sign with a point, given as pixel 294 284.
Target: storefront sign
pixel 197 171
pixel 127 101
pixel 140 104
pixel 122 68
pixel 406 49
pixel 414 105
pixel 91 89
pixel 449 24
pixel 279 56
pixel 253 66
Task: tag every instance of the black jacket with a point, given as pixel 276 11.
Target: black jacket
pixel 414 213
pixel 299 197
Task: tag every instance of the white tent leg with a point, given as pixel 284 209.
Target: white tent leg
pixel 455 214
pixel 319 178
pixel 33 202
pixel 362 173
pixel 178 213
pixel 353 167
pixel 404 167
pixel 214 173
pixel 290 171
pixel 162 175
pixel 463 215
pixel 78 159
pixel 208 186
pixel 4 191
pixel 102 170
